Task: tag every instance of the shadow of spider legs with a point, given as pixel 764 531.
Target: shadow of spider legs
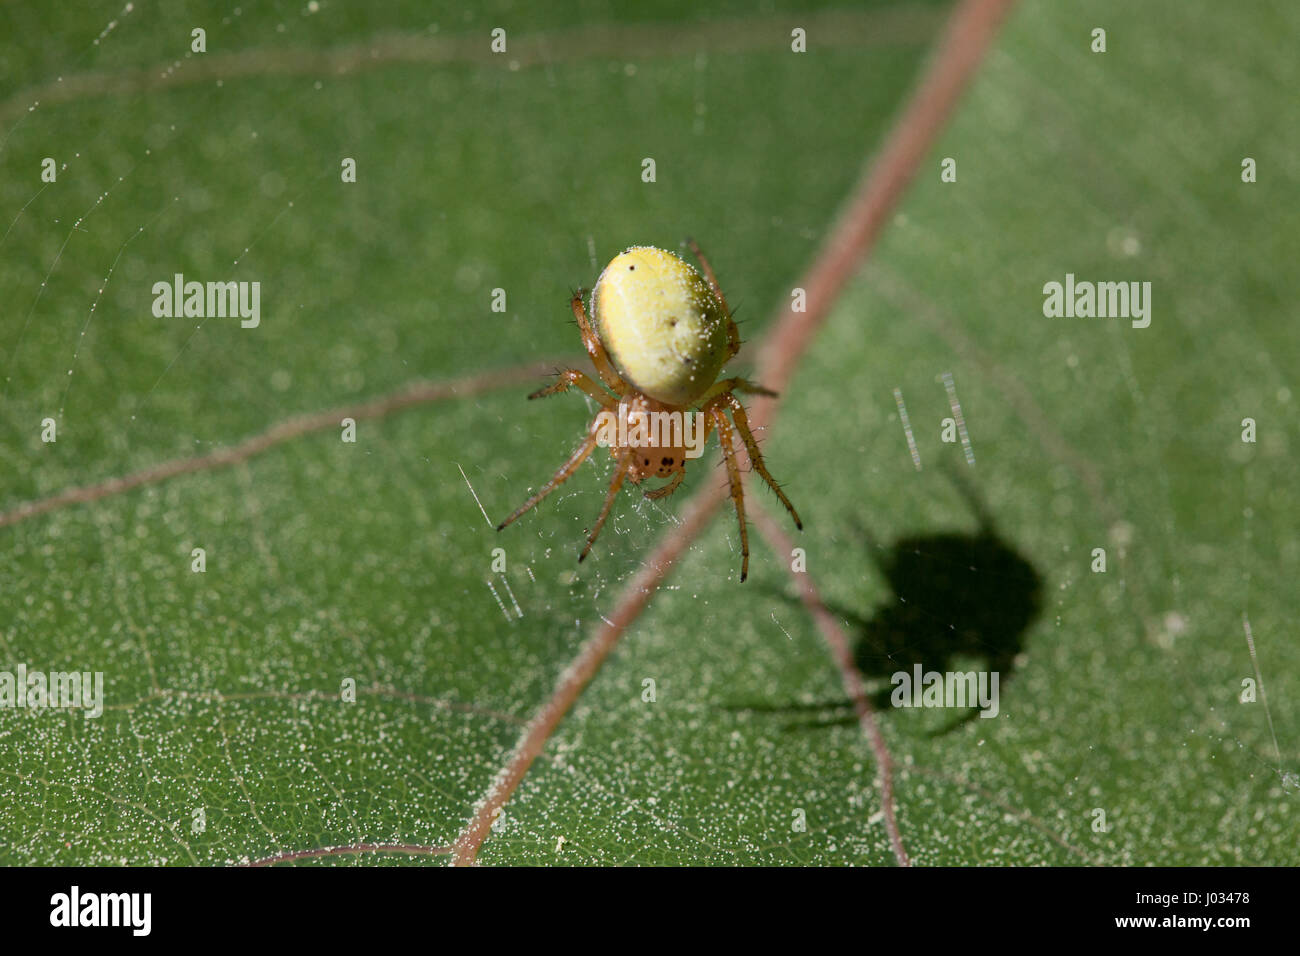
pixel 953 597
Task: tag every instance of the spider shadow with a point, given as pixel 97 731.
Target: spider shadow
pixel 954 599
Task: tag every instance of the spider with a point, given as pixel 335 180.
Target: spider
pixel 661 336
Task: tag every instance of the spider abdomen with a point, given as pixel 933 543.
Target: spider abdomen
pixel 663 327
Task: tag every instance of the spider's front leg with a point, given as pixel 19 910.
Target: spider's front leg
pixel 715 412
pixel 669 488
pixel 560 477
pixel 620 473
pixel 755 456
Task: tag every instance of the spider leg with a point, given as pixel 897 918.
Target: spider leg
pixel 599 357
pixel 733 476
pixel 669 488
pixel 570 377
pixel 733 333
pixel 755 456
pixel 733 385
pixel 560 477
pixel 624 463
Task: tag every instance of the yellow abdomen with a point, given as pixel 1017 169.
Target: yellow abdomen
pixel 662 325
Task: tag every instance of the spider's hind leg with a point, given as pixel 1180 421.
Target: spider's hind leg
pixel 596 349
pixel 726 385
pixel 733 333
pixel 570 377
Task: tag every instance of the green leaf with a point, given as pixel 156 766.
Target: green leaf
pixel 224 737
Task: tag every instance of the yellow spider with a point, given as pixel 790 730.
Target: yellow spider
pixel 661 337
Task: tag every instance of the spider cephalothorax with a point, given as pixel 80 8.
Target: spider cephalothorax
pixel 657 433
pixel 661 337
